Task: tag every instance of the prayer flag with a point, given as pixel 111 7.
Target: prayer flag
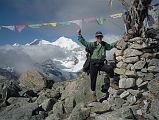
pixel 19 28
pixel 101 20
pixel 53 24
pixel 117 15
pixel 88 20
pixel 9 27
pixel 65 23
pixel 35 25
pixel 77 22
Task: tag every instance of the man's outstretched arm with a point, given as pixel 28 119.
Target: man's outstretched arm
pixel 82 40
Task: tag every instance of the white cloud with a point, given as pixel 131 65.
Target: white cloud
pixel 23 58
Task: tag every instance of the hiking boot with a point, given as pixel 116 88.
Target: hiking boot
pixel 113 84
pixel 94 97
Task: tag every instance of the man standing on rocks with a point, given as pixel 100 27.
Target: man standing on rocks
pixel 98 54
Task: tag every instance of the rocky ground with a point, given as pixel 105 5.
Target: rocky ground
pixel 34 97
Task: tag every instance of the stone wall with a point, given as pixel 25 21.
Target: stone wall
pixel 138 70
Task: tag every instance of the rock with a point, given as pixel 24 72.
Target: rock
pixel 155 109
pixel 124 94
pixel 147 55
pixel 136 39
pixel 148 77
pixel 119 53
pixel 139 65
pixel 131 99
pixel 112 91
pixel 131 59
pixel 126 83
pixel 121 45
pixel 25 92
pixel 156 55
pixel 120 71
pixel 120 114
pixel 45 94
pixel 9 88
pixel 121 65
pixel 138 46
pixel 47 104
pixel 144 70
pixel 58 108
pixel 80 89
pixel 79 113
pixel 7 75
pixel 141 74
pixel 153 86
pixel 139 81
pixel 118 103
pixel 143 84
pixel 132 53
pixel 130 73
pixel 119 58
pixel 135 93
pixel 97 107
pixel 53 117
pixel 154 62
pixel 153 69
pixel 34 80
pixel 19 111
pixel 70 103
pixel 14 100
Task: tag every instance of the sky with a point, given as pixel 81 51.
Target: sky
pixel 14 12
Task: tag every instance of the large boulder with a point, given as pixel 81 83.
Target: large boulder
pixel 35 80
pixel 19 111
pixel 8 88
pixel 80 112
pixel 80 88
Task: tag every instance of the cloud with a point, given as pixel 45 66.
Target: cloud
pixel 24 57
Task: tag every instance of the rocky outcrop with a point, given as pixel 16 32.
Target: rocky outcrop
pixel 35 80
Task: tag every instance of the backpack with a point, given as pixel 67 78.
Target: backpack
pixel 86 66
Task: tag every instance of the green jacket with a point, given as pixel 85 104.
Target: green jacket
pixel 98 50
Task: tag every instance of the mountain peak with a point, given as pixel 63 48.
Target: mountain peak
pixel 67 43
pixel 39 42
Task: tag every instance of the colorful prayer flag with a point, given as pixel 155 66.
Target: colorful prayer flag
pixel 53 24
pixel 35 25
pixel 101 20
pixel 65 23
pixel 88 20
pixel 117 15
pixel 77 22
pixel 9 27
pixel 19 28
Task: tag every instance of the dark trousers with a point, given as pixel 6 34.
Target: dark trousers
pixel 94 68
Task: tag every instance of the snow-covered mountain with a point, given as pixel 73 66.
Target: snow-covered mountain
pixel 62 42
pixel 67 43
pixel 60 60
pixel 73 62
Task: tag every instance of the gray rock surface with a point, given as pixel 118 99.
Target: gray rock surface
pixel 34 80
pixel 126 83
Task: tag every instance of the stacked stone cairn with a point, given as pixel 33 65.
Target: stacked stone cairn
pixel 138 71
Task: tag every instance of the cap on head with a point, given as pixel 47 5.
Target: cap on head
pixel 99 34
